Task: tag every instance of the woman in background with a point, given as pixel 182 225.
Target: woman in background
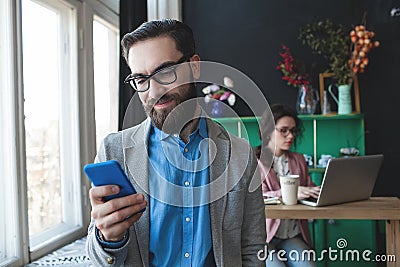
pixel 278 134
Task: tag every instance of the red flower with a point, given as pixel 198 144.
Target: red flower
pixel 290 70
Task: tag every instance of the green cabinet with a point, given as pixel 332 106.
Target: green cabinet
pixel 326 135
pixel 245 127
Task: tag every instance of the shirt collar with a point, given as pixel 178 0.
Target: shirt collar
pixel 201 130
pixel 159 135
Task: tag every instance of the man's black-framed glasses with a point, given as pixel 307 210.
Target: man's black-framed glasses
pixel 164 76
pixel 285 131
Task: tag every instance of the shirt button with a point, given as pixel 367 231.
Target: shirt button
pixel 187 183
pixel 187 255
pixel 186 149
pixel 187 219
pixel 110 260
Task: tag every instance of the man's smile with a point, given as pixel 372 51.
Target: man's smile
pixel 163 103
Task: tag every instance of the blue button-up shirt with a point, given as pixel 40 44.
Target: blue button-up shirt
pixel 180 231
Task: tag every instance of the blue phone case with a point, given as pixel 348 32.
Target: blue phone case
pixel 109 173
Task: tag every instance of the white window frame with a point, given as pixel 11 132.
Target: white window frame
pixel 109 18
pixel 72 219
pixel 113 76
pixel 14 201
pixel 81 109
pixel 161 9
pixel 90 8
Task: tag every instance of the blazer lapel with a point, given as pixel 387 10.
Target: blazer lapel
pixel 217 171
pixel 135 151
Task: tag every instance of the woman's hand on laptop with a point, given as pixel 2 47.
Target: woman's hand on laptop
pixel 308 191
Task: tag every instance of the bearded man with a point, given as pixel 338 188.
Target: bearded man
pixel 192 177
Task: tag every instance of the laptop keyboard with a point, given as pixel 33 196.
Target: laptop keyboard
pixel 311 199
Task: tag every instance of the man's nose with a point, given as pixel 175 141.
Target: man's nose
pixel 156 90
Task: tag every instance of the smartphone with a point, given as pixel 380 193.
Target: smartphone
pixel 109 173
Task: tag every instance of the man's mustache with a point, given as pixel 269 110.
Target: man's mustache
pixel 165 98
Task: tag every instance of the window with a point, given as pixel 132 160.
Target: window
pixel 48 127
pixel 106 60
pixel 42 121
pixel 51 124
pixel 9 234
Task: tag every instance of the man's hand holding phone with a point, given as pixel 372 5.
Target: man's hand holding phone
pixel 115 203
pixel 114 217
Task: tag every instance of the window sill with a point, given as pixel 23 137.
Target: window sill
pixel 72 254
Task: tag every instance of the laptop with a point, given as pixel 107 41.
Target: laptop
pixel 346 180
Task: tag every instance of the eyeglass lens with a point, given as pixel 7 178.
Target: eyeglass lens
pixel 285 131
pixel 164 76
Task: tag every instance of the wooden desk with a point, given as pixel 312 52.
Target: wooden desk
pixel 376 208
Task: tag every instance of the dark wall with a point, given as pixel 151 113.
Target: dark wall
pixel 248 35
pixel 132 13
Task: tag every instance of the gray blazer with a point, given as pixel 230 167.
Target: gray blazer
pixel 237 217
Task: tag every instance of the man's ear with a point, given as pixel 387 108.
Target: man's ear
pixel 195 65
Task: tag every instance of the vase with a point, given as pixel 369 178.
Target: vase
pixel 307 100
pixel 217 109
pixel 344 99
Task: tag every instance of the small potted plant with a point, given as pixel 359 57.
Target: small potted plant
pixel 331 42
pixel 347 56
pixel 346 53
pixel 216 95
pixel 293 72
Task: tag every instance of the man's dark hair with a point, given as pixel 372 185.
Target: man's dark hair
pixel 180 32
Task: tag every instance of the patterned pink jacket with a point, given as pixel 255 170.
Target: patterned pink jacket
pixel 272 188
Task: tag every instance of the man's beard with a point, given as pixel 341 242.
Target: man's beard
pixel 172 119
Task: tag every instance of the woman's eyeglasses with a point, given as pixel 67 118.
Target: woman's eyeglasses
pixel 285 131
pixel 164 76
